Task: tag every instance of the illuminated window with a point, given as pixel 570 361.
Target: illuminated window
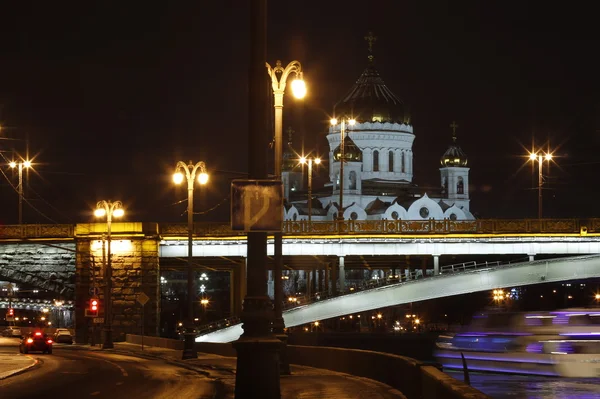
pixel 402 163
pixel 460 186
pixel 375 161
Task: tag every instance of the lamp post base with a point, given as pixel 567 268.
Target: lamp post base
pixel 284 363
pixel 189 351
pixel 258 371
pixel 108 342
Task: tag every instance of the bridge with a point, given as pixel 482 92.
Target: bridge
pixel 456 281
pixel 68 259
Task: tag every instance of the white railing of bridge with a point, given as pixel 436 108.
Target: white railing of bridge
pixel 415 275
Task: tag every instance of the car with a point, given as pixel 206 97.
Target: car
pixel 36 341
pixel 63 336
pixel 12 332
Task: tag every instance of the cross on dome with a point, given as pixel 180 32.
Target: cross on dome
pixel 370 38
pixel 453 125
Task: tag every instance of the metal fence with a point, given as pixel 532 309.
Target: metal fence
pixel 297 301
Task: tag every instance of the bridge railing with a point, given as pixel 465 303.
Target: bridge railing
pixel 297 301
pixel 345 227
pixel 20 231
pixel 422 227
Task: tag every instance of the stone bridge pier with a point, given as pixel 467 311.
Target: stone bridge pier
pixel 135 270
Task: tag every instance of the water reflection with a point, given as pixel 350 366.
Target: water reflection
pixel 532 387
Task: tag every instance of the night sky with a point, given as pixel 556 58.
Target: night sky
pixel 109 96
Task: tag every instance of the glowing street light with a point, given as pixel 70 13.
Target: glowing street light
pixel 189 171
pixel 109 209
pixel 279 76
pixel 540 158
pixel 20 164
pixel 309 161
pixel 343 122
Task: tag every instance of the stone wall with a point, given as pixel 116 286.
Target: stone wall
pixel 135 270
pixel 48 266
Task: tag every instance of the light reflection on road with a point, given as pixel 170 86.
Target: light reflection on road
pixel 502 386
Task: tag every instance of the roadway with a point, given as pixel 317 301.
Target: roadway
pixel 74 372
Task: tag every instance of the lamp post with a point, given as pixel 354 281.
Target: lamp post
pixel 108 209
pixel 540 158
pixel 309 161
pixel 257 348
pixel 279 76
pixel 343 122
pixel 20 165
pixel 189 172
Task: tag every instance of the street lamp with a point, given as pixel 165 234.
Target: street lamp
pixel 189 172
pixel 540 158
pixel 343 122
pixel 108 209
pixel 20 164
pixel 309 161
pixel 279 76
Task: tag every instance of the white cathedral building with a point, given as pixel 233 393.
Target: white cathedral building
pixel 378 165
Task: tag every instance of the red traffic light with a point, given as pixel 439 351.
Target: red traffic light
pixel 94 305
pixel 11 312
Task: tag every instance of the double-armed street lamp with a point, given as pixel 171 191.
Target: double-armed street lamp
pixel 109 209
pixel 190 172
pixel 342 156
pixel 540 158
pixel 309 161
pixel 20 164
pixel 279 76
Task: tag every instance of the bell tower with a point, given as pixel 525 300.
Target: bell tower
pixel 455 174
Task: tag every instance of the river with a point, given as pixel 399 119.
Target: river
pixel 503 386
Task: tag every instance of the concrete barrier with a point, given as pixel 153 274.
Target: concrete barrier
pixel 415 379
pixel 155 341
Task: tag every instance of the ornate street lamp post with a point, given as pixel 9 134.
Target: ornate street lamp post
pixel 540 158
pixel 309 161
pixel 343 122
pixel 279 76
pixel 189 172
pixel 21 165
pixel 108 209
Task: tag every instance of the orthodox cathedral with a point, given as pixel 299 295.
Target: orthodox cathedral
pixel 371 164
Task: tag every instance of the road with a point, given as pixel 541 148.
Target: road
pixel 73 372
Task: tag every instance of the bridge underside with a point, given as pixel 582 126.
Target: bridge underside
pixel 519 274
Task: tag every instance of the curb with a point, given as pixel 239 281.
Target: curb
pixel 21 370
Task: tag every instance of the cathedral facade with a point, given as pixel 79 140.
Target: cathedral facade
pixel 371 165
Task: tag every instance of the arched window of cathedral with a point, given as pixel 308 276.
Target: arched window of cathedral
pixel 354 216
pixel 424 212
pixel 391 161
pixel 460 186
pixel 402 163
pixel 453 216
pixel 352 180
pixel 375 161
